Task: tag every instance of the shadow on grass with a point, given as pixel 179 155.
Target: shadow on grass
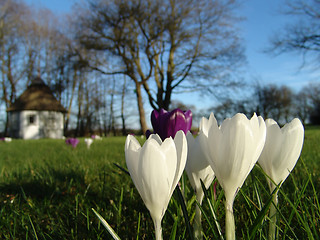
pixel 54 184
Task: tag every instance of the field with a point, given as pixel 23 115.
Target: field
pixel 48 190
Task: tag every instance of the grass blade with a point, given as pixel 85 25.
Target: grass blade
pixel 174 229
pixel 121 168
pixel 34 230
pixel 211 209
pixel 107 226
pixel 261 216
pixel 294 208
pixel 184 211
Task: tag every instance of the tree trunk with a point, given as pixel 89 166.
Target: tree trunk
pixel 68 114
pixel 111 119
pixel 143 124
pixel 124 131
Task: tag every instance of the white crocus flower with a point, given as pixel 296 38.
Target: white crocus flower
pixel 282 150
pixel 155 169
pixel 234 148
pixel 8 139
pixel 198 167
pixel 88 142
pixel 280 154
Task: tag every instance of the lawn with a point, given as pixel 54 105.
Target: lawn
pixel 48 190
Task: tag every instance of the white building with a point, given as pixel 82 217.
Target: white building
pixel 36 113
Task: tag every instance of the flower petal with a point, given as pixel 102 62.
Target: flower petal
pixel 155 183
pixel 282 149
pixel 181 153
pixel 205 124
pixel 132 153
pixel 197 166
pixel 234 149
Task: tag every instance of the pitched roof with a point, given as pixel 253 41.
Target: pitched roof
pixel 37 96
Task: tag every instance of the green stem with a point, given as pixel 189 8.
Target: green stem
pixel 230 226
pixel 157 228
pixel 184 211
pixel 197 227
pixel 273 217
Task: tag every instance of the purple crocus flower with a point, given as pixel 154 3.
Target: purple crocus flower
pixel 72 141
pixel 167 124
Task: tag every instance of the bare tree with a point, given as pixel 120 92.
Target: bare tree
pixel 12 14
pixel 302 35
pixel 164 46
pixel 312 92
pixel 274 102
pixel 302 105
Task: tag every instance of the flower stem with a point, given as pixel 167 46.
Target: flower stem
pixel 230 226
pixel 157 228
pixel 197 227
pixel 273 217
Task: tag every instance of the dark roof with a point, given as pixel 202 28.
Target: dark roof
pixel 37 96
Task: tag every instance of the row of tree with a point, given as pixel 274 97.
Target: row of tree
pixel 107 52
pixel 278 102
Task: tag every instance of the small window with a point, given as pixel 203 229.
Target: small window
pixel 32 119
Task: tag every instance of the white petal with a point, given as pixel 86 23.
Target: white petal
pixel 168 148
pixel 197 166
pixel 282 149
pixel 182 152
pixel 197 152
pixel 205 124
pixel 260 132
pixel 233 148
pixel 156 137
pixel 132 140
pixel 132 152
pixel 155 185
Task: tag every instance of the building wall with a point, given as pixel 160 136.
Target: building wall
pixel 51 124
pixel 30 124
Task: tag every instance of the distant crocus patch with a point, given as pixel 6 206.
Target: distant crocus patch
pixel 96 137
pixel 167 124
pixel 72 141
pixel 6 139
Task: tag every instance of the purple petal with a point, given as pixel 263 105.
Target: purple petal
pixel 159 122
pixel 155 120
pixel 167 124
pixel 72 141
pixel 148 133
pixel 177 121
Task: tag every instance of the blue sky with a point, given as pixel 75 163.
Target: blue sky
pixel 262 20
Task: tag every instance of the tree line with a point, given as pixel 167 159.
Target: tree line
pixel 278 102
pixel 106 53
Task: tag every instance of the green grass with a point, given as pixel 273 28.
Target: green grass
pixel 47 191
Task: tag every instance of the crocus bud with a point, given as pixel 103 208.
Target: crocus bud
pixel 282 150
pixel 234 148
pixel 167 124
pixel 155 169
